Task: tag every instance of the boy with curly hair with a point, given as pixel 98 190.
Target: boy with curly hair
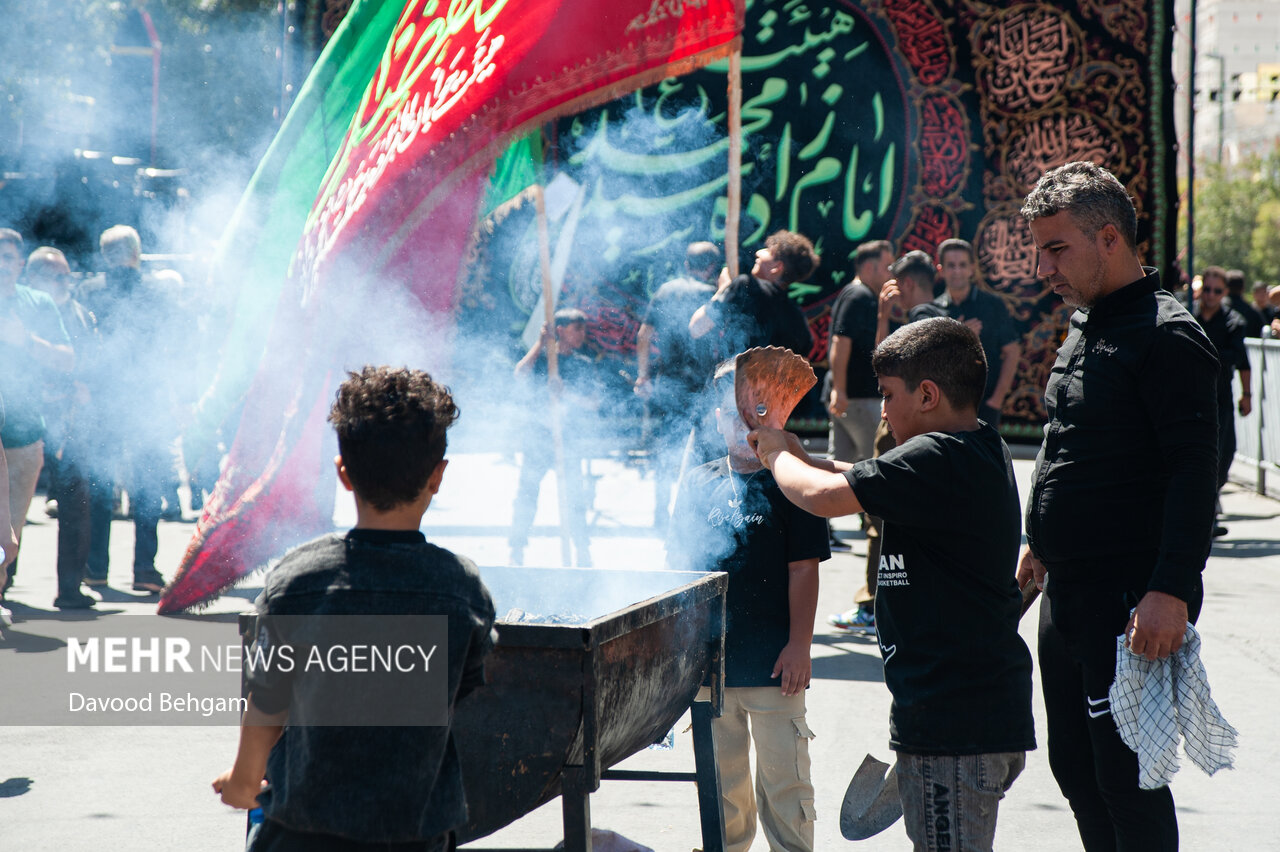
pixel 359 788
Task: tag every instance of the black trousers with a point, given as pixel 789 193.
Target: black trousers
pixel 676 412
pixel 1226 440
pixel 271 836
pixel 141 465
pixel 69 485
pixel 1095 770
pixel 539 457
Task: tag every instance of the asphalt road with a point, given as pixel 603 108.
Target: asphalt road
pixel 68 788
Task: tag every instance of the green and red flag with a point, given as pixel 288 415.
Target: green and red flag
pixel 390 219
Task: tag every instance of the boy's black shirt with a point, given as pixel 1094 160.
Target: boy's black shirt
pixel 753 541
pixel 947 603
pixel 387 784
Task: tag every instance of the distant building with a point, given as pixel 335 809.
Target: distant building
pixel 1237 80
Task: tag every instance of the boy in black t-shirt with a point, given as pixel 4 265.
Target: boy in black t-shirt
pixel 730 516
pixel 947 604
pixel 344 788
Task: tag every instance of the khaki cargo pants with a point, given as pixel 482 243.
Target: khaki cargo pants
pixel 783 792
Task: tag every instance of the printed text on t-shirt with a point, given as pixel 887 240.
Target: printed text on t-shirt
pixel 892 571
pixel 717 516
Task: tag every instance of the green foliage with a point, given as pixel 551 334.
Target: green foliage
pixel 1237 211
pixel 1264 253
pixel 1224 219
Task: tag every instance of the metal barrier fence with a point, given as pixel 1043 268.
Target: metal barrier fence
pixel 1257 459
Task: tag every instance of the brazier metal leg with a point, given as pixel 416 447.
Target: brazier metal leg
pixel 708 773
pixel 576 805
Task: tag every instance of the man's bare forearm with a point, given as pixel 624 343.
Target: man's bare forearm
pixel 58 357
pixel 838 357
pixel 644 340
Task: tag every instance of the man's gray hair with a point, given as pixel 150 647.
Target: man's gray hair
pixel 703 258
pixel 1092 196
pixel 120 245
pixel 8 236
pixel 45 255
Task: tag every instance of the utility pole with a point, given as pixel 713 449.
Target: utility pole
pixel 1222 97
pixel 1191 159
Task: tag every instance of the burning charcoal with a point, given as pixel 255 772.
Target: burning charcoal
pixel 515 615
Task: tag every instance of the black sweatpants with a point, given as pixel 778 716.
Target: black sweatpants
pixel 271 836
pixel 1096 771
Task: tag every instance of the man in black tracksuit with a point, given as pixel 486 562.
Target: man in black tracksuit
pixel 1121 505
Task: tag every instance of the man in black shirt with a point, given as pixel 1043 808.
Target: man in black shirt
pixel 989 318
pixel 134 427
pixel 35 353
pixel 908 295
pixel 1236 300
pixel 1227 330
pixel 906 298
pixel 853 398
pixel 755 310
pixel 850 384
pixel 577 378
pixel 680 369
pixel 1262 303
pixel 1122 498
pixel 68 422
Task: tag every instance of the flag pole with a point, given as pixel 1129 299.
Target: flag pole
pixel 553 368
pixel 735 163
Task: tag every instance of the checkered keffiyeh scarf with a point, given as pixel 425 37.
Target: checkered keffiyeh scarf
pixel 1155 701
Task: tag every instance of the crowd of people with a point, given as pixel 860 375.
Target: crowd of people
pixel 916 387
pixel 690 326
pixel 91 400
pixel 1131 454
pixel 1139 407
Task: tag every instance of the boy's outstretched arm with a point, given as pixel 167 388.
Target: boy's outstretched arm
pixel 239 786
pixel 816 485
pixel 794 664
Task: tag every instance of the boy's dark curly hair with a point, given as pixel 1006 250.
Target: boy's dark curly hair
pixel 391 426
pixel 795 252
